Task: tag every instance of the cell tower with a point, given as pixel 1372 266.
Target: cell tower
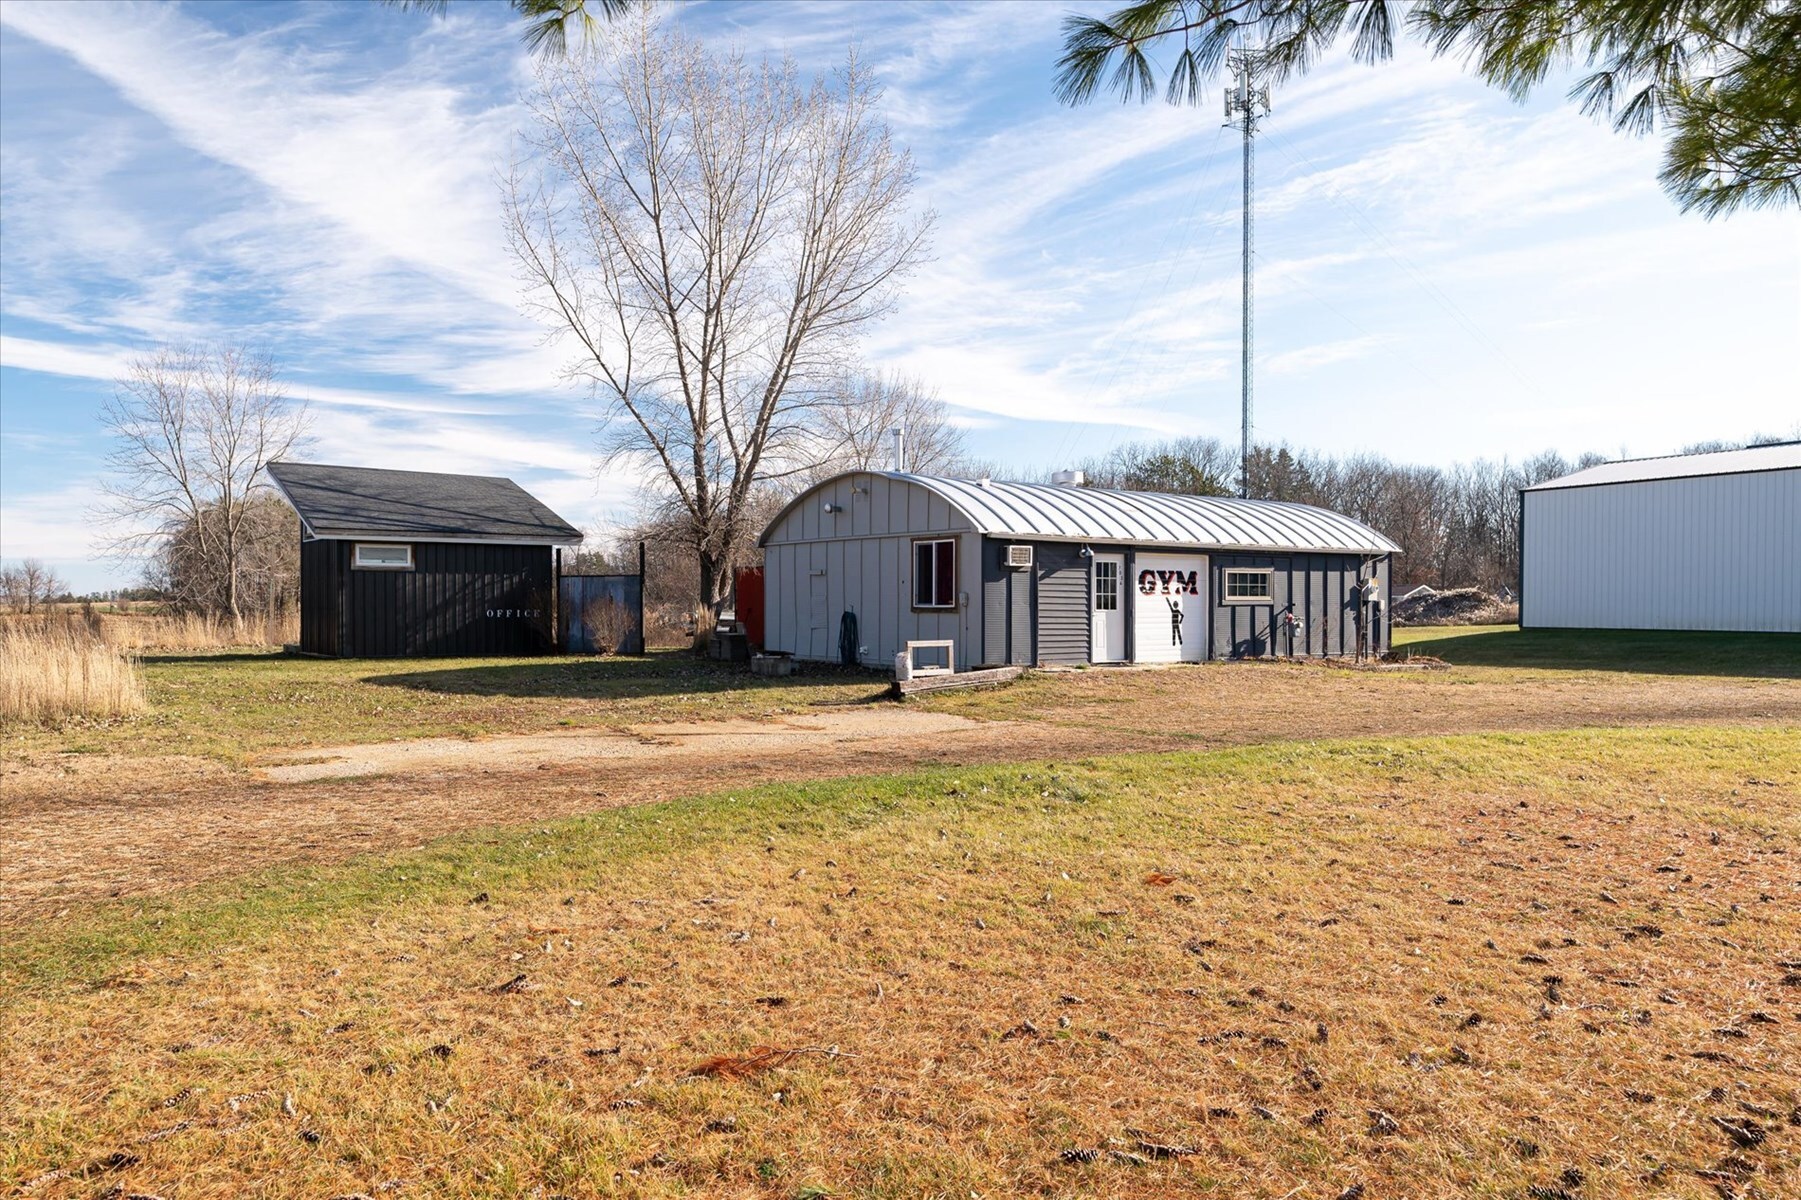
pixel 1245 103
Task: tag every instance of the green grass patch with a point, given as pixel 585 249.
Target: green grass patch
pixel 233 706
pixel 1649 652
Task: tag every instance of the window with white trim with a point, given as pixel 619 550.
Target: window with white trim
pixel 935 573
pixel 382 556
pixel 1249 586
pixel 1106 585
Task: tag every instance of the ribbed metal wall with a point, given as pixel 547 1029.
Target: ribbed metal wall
pixel 1715 552
pixel 461 599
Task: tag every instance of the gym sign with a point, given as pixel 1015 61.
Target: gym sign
pixel 1169 583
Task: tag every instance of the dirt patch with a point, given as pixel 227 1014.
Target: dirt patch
pixel 667 744
pixel 80 828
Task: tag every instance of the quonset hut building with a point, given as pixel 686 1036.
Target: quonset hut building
pixel 397 563
pixel 1016 573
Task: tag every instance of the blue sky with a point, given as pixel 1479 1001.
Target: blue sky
pixel 1442 274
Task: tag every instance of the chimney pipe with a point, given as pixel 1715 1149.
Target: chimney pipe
pixel 898 438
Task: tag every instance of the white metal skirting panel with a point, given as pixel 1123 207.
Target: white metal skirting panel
pixel 1720 552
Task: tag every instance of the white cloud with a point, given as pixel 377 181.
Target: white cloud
pixel 1311 358
pixel 62 358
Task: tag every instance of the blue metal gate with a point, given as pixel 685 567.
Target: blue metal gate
pixel 601 614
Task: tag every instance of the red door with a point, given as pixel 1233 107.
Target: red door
pixel 748 585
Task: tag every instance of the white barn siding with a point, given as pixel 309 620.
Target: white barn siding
pixel 1708 552
pixel 864 561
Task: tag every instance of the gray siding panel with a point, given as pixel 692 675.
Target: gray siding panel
pixel 1063 616
pixel 994 602
pixel 1021 647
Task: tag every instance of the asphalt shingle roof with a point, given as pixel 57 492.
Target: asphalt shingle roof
pixel 337 502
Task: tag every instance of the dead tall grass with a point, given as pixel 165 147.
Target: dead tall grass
pixel 52 669
pixel 194 631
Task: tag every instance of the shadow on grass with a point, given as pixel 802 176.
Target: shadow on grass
pixel 660 673
pixel 1654 652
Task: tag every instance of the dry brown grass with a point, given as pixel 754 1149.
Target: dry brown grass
pixel 196 631
pixel 1547 961
pixel 51 671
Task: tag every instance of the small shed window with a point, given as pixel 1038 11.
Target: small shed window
pixel 935 573
pixel 1249 587
pixel 382 556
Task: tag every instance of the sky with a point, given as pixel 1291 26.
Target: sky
pixel 1441 274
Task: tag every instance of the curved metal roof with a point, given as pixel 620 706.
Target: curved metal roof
pixel 1053 512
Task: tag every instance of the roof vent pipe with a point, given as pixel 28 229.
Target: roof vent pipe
pixel 898 439
pixel 1068 479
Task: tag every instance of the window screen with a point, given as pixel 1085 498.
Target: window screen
pixel 935 574
pixel 376 556
pixel 1106 586
pixel 1248 586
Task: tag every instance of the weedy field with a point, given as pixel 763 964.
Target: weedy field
pixel 1547 964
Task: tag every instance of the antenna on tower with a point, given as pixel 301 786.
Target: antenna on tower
pixel 1245 103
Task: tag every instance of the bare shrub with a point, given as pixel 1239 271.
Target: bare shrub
pixel 611 626
pixel 55 667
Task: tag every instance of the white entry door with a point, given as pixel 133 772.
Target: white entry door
pixel 1107 609
pixel 1169 607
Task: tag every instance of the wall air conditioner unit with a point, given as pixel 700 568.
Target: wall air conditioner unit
pixel 1019 556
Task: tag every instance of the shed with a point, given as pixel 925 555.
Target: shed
pixel 1688 541
pixel 399 563
pixel 1019 573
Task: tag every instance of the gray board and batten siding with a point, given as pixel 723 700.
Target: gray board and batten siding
pixel 858 558
pixel 477 575
pixel 846 545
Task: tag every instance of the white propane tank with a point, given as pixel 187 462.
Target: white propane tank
pixel 903 667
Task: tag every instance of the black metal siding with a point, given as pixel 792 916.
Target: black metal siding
pixel 321 597
pixel 461 599
pixel 1321 588
pixel 1063 617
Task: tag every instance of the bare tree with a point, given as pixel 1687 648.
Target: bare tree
pixel 712 234
pixel 30 585
pixel 854 427
pixel 193 429
pixel 1194 466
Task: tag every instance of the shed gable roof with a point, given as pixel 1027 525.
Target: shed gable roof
pixel 346 502
pixel 1050 512
pixel 1780 457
